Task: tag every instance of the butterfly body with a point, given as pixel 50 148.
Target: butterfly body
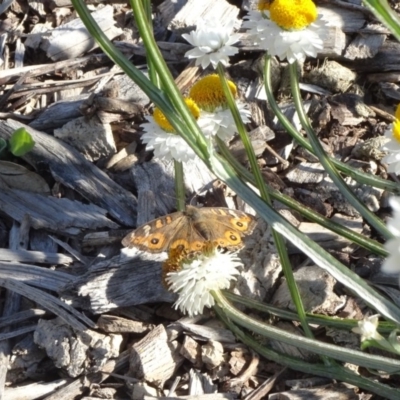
pixel 190 229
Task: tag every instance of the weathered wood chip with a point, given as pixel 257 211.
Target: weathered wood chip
pixel 18 177
pixel 155 358
pixel 69 167
pixel 73 39
pixel 90 137
pixel 120 283
pixel 58 215
pixel 114 324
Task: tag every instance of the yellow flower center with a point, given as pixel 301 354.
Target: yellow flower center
pixel 396 128
pixel 264 5
pixel 208 93
pixel 293 14
pixel 163 122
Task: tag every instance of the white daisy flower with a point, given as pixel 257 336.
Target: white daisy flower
pixel 392 159
pixel 221 122
pixel 288 30
pixel 391 264
pixel 166 145
pixel 160 136
pixel 215 116
pixel 212 43
pixel 367 328
pixel 195 278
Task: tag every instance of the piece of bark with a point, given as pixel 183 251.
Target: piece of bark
pixel 21 316
pixel 120 282
pixel 325 237
pixel 334 393
pixel 70 350
pixel 387 59
pixel 59 215
pixel 203 332
pixel 368 195
pixel 155 358
pixel 34 390
pixel 34 257
pixel 191 350
pixel 332 76
pixel 69 167
pixel 114 324
pixel 181 17
pixel 75 319
pixel 90 137
pixel 212 354
pixel 73 39
pixel 59 113
pixel 365 46
pixel 316 287
pixel 37 276
pixel 26 356
pixel 306 172
pixel 104 238
pixel 78 386
pixel 157 177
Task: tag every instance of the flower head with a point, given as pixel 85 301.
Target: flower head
pixel 194 277
pixel 160 136
pixel 291 29
pixel 212 43
pixel 367 328
pixel 215 117
pixel 392 159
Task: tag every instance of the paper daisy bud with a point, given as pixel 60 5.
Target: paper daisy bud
pixel 215 117
pixel 212 43
pixel 289 29
pixel 367 328
pixel 392 159
pixel 193 277
pixel 391 263
pixel 160 136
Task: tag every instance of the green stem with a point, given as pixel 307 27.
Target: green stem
pixel 326 163
pixel 278 240
pixel 329 350
pixel 329 371
pixel 357 238
pixel 384 327
pixel 356 174
pixel 198 141
pixel 386 15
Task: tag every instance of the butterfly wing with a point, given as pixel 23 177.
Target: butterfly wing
pixel 156 235
pixel 223 226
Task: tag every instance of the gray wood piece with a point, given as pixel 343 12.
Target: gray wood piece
pixel 69 167
pixel 183 16
pixel 58 215
pixel 155 358
pixel 40 277
pixel 72 39
pixel 59 113
pixel 116 324
pixel 156 186
pixel 34 257
pixel 90 137
pixel 120 282
pixel 67 313
pixel 34 390
pixel 21 316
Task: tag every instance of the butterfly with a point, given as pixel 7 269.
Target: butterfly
pixel 188 230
